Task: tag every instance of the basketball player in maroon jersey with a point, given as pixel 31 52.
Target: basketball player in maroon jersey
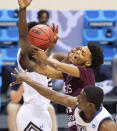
pixel 76 76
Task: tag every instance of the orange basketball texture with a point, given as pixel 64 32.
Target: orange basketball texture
pixel 41 36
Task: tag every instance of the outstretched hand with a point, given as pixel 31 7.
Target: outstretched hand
pixel 55 31
pixel 24 3
pixel 20 76
pixel 39 55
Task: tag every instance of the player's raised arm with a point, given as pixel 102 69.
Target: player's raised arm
pixel 59 98
pixel 22 25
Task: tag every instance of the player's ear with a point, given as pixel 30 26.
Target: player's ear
pixel 91 105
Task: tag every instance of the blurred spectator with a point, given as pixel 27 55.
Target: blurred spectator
pixel 16 99
pixel 6 77
pixel 103 78
pixel 104 72
pixel 43 16
pixel 52 112
pixel 114 71
pixel 14 105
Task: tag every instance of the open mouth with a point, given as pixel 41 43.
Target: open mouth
pixel 74 57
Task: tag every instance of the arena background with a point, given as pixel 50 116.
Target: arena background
pixel 63 4
pixel 68 14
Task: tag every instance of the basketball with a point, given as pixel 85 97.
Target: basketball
pixel 41 36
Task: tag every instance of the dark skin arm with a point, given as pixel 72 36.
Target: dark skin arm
pixel 108 125
pixel 27 63
pixel 23 26
pixel 59 98
pixel 26 48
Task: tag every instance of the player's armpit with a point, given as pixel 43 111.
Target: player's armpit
pixel 108 125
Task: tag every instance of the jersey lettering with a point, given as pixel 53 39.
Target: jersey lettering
pixel 49 82
pixel 68 89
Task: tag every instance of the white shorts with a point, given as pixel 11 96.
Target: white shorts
pixel 31 118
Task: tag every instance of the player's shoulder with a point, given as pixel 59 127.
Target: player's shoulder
pixel 84 68
pixel 108 125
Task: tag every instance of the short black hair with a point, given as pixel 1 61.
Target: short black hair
pixel 94 95
pixel 97 55
pixel 31 24
pixel 39 14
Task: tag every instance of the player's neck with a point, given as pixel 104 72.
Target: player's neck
pixel 89 114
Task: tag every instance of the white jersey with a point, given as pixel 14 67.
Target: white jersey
pixel 33 114
pixel 30 95
pixel 94 124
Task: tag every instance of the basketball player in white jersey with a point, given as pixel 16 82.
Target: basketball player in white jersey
pixel 89 112
pixel 33 115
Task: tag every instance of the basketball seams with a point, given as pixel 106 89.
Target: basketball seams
pixel 41 37
pixel 45 33
pixel 37 37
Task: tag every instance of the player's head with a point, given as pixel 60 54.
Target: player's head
pixel 31 24
pixel 89 56
pixel 43 16
pixel 97 57
pixel 90 98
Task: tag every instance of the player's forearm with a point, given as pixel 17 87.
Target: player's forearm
pixel 22 25
pixel 63 67
pixel 53 63
pixel 48 93
pixel 61 57
pixel 60 66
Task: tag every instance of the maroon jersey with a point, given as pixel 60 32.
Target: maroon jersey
pixel 74 86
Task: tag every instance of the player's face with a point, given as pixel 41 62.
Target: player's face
pixel 80 56
pixel 43 19
pixel 82 101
